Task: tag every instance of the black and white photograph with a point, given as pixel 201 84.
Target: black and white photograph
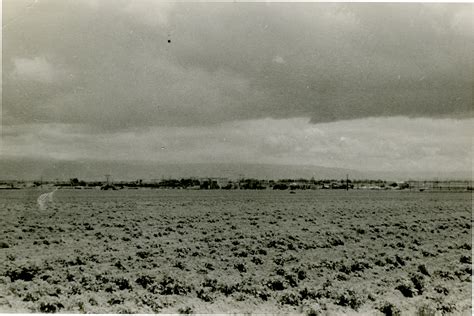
pixel 236 157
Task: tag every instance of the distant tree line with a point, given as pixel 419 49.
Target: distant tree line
pixel 249 184
pixel 212 184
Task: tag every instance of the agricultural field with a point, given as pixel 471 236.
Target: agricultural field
pixel 178 251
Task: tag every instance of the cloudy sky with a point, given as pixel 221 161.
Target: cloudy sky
pixel 361 86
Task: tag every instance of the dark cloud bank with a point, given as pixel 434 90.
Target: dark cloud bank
pixel 108 65
pixel 35 169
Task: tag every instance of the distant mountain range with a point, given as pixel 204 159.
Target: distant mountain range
pixel 29 169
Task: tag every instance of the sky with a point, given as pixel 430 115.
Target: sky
pixel 366 86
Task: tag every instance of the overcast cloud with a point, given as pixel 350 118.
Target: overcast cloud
pixel 371 144
pixel 106 68
pixel 234 61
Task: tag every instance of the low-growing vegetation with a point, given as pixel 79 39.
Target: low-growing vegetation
pixel 314 252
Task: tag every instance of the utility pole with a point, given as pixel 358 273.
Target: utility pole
pixel 107 176
pixel 347 182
